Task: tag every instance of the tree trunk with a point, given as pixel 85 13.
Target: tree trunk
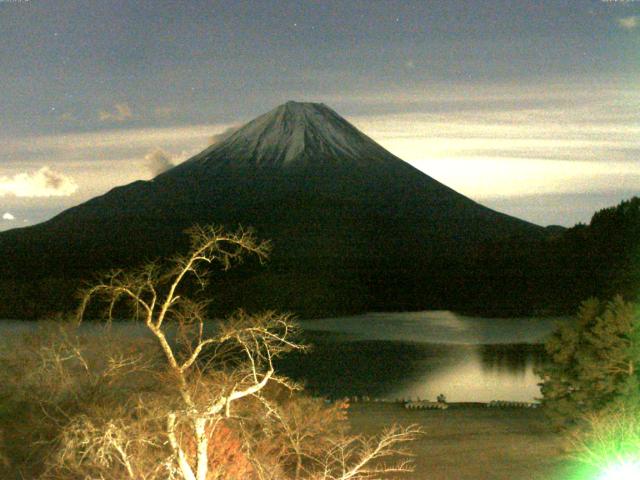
pixel 202 445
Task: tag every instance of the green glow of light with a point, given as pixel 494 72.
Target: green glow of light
pixel 622 471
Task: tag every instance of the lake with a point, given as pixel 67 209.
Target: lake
pixel 423 354
pixel 411 355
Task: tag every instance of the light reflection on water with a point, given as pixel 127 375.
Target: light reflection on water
pixel 423 354
pixel 482 374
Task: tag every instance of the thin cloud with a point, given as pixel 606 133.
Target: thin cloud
pixel 41 183
pixel 629 23
pixel 158 161
pixel 121 113
pixel 164 112
pixel 8 216
pixel 78 146
pixel 226 133
pixel 67 117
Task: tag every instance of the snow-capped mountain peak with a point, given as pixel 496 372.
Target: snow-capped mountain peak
pixel 296 133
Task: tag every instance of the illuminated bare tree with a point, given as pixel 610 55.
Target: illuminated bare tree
pixel 213 367
pixel 153 294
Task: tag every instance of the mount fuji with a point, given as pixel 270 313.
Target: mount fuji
pixel 354 228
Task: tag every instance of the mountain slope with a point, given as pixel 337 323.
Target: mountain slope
pixel 353 226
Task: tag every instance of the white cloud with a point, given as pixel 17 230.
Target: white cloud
pixel 226 133
pixel 41 183
pixel 99 160
pixel 588 143
pixel 484 178
pixel 121 113
pixel 8 216
pixel 629 23
pixel 158 161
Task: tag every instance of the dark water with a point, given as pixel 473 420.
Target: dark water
pixel 425 354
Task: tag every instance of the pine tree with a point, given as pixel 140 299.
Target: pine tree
pixel 593 361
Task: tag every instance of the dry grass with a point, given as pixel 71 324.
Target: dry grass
pixel 473 443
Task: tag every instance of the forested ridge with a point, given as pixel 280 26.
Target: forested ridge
pixel 517 276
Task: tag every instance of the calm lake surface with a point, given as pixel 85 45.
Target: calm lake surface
pixel 410 355
pixel 423 354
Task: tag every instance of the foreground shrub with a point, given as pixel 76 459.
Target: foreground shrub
pixel 54 376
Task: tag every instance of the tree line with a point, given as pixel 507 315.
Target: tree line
pixel 511 277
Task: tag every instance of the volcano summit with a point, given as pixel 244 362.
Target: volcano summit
pixel 294 134
pixel 354 228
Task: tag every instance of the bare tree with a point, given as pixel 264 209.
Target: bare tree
pixel 153 294
pixel 213 367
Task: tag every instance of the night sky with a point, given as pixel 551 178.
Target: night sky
pixel 531 108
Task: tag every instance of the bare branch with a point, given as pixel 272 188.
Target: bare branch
pixel 357 458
